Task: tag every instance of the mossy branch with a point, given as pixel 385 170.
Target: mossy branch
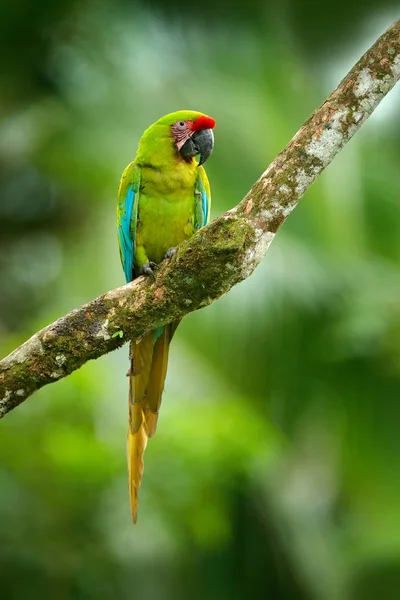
pixel 218 256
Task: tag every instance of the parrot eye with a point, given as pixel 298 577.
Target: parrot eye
pixel 181 124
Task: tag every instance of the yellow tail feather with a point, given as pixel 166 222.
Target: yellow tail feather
pixel 156 381
pixel 137 443
pixel 149 362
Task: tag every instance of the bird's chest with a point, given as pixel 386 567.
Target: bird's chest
pixel 164 221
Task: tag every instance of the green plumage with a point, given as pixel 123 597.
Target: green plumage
pixel 163 199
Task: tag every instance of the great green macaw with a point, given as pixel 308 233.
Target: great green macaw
pixel 163 198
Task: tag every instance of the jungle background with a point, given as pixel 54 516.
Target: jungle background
pixel 275 469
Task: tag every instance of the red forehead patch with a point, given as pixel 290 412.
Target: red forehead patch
pixel 203 122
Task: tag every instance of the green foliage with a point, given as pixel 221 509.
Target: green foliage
pixel 119 334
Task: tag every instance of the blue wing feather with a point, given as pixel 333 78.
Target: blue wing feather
pixel 127 238
pixel 203 200
pixel 128 200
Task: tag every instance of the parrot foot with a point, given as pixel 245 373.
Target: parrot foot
pixel 148 268
pixel 170 253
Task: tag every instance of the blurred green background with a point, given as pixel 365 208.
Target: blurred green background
pixel 275 469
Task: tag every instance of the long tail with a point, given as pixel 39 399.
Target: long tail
pixel 149 360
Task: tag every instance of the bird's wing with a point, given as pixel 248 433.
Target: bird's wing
pixel 127 210
pixel 202 199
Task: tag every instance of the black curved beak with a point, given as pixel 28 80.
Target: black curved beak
pixel 201 142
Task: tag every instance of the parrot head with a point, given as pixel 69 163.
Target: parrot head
pixel 186 133
pixel 193 136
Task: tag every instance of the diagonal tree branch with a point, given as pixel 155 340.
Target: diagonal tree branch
pixel 218 256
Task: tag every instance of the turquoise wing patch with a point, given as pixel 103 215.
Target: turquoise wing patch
pixel 203 200
pixel 128 199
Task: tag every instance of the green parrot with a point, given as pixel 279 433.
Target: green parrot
pixel 163 199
